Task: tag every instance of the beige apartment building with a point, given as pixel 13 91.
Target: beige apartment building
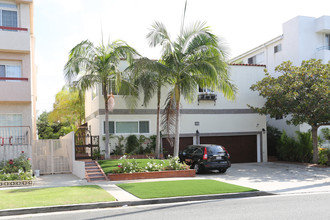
pixel 17 78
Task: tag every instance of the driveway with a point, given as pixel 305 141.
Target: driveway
pixel 279 178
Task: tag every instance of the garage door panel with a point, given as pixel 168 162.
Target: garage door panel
pixel 242 149
pixel 184 142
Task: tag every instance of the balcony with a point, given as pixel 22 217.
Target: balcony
pixel 15 89
pixel 15 135
pixel 322 24
pixel 13 141
pixel 14 39
pixel 207 97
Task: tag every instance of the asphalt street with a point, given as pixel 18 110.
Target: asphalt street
pixel 293 206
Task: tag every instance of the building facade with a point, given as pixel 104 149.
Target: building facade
pixel 17 78
pixel 209 119
pixel 303 38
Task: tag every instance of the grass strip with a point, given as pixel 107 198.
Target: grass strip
pixel 109 165
pixel 35 197
pixel 162 189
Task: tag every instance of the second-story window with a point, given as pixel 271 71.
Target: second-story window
pixel 277 48
pixel 10 69
pixel 327 41
pixel 257 59
pixel 8 15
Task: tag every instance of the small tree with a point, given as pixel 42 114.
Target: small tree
pixel 302 92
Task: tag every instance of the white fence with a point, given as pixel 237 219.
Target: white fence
pixel 53 156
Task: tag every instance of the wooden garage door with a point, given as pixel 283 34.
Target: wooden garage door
pixel 184 141
pixel 242 149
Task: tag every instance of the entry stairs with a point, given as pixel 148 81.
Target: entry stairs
pixel 94 172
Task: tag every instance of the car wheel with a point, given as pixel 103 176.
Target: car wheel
pixel 222 170
pixel 197 168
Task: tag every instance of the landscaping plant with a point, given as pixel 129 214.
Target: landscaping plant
pixel 16 169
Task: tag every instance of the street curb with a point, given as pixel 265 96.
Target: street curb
pixel 35 210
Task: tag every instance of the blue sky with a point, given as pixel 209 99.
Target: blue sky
pixel 61 24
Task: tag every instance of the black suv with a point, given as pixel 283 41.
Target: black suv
pixel 206 157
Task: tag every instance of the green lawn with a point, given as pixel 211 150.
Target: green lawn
pixel 109 165
pixel 34 197
pixel 161 189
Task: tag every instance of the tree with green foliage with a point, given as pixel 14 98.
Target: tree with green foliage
pixel 302 92
pixel 69 107
pixel 89 66
pixel 194 59
pixel 51 130
pixel 150 76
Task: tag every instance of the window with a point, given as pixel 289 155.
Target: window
pixel 8 15
pixel 127 127
pixel 205 90
pixel 257 59
pixel 144 126
pixel 10 128
pixel 277 48
pixel 327 41
pixel 10 69
pixel 111 127
pixel 10 120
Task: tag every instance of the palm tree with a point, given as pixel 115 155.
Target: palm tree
pixel 150 76
pixel 89 66
pixel 194 59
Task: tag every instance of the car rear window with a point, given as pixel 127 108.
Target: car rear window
pixel 214 150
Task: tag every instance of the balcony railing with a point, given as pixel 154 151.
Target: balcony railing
pixel 13 79
pixel 15 135
pixel 13 28
pixel 323 48
pixel 207 97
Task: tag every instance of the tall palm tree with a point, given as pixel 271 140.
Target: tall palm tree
pixel 150 76
pixel 194 59
pixel 89 66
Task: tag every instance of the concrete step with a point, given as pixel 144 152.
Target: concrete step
pixel 94 172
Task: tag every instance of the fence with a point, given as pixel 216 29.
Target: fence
pixel 13 141
pixel 52 156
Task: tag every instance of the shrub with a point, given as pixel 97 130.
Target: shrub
pixel 127 166
pixel 16 169
pixel 323 156
pixel 153 166
pixel 299 150
pixel 174 164
pixel 132 143
pixel 119 148
pixel 273 140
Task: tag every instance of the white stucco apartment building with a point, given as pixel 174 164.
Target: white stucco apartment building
pixel 17 78
pixel 231 124
pixel 303 38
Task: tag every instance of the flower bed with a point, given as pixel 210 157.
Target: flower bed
pixel 151 175
pixel 16 172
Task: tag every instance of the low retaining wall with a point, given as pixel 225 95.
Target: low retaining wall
pixel 14 183
pixel 152 175
pixel 137 156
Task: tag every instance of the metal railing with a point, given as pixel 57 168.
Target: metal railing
pixel 323 48
pixel 15 135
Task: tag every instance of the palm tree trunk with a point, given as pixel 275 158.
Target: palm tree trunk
pixel 106 126
pixel 315 147
pixel 157 150
pixel 177 122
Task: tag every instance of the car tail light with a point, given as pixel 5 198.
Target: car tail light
pixel 205 154
pixel 226 152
